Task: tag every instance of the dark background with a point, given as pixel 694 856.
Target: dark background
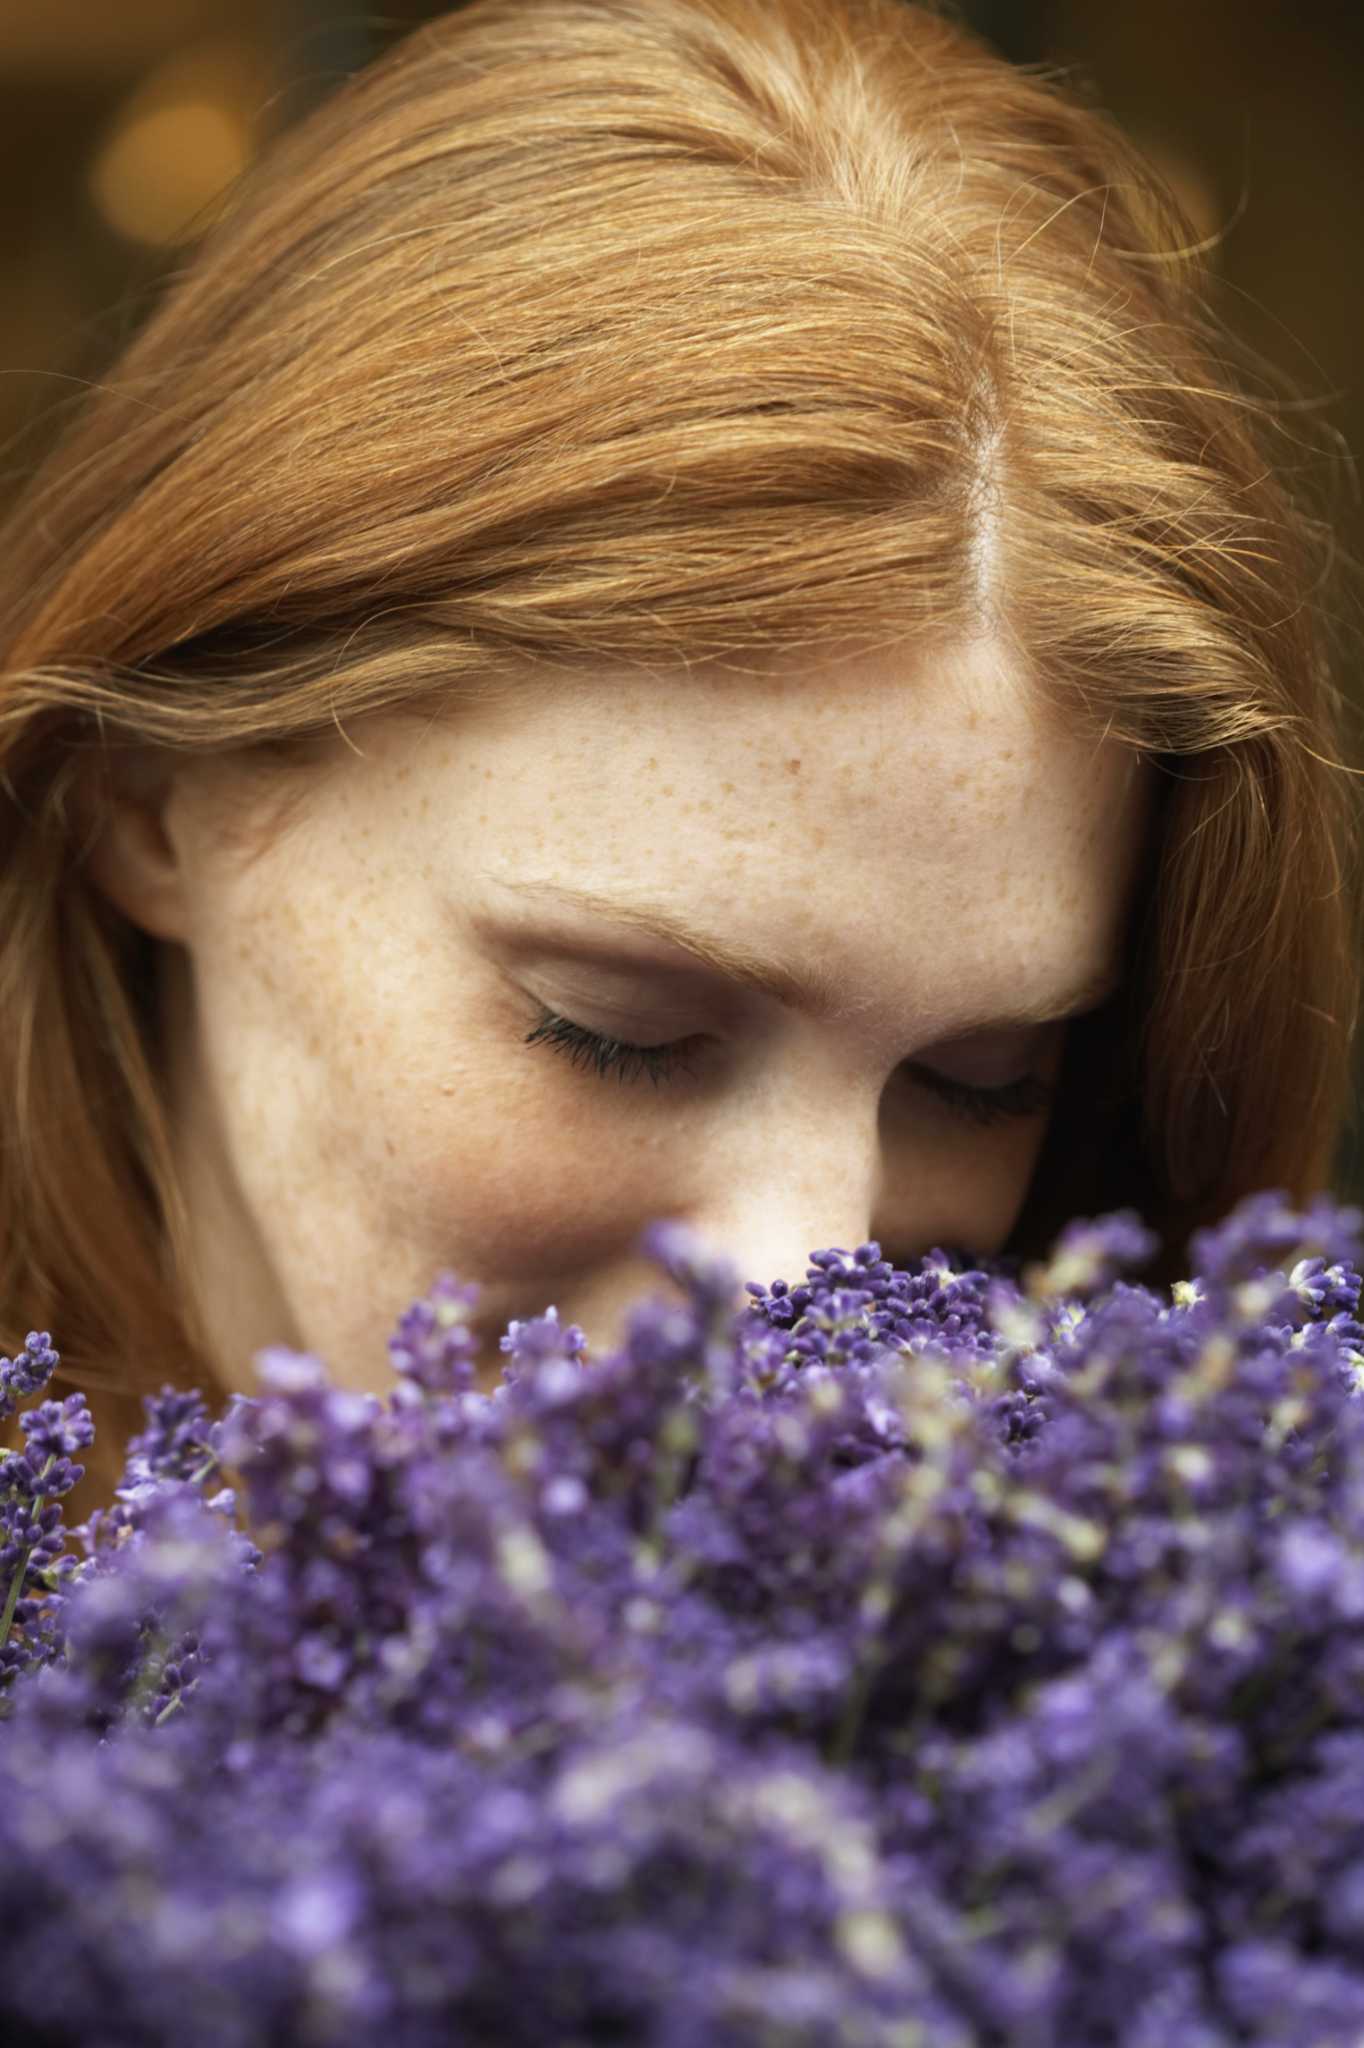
pixel 122 120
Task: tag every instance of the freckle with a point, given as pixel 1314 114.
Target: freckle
pixel 793 767
pixel 666 790
pixel 819 838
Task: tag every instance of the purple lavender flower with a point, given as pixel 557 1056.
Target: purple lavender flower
pixel 24 1375
pixel 433 1344
pixel 34 1573
pixel 943 1656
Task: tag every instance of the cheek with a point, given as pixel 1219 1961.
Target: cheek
pixel 998 1201
pixel 359 1081
pixel 529 1164
pixel 958 1184
pixel 523 1173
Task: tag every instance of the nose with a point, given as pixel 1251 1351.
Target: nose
pixel 802 1170
pixel 762 1233
pixel 810 1183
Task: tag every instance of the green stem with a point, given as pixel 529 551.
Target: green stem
pixel 869 1663
pixel 21 1568
pixel 677 1441
pixel 149 1675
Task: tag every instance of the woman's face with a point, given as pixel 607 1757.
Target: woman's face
pixel 353 1100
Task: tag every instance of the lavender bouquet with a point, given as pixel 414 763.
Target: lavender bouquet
pixel 938 1658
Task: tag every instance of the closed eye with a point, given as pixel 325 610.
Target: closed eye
pixel 1028 1096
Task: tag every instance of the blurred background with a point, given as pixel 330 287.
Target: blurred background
pixel 121 121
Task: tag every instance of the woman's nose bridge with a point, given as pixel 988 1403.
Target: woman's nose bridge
pixel 797 1196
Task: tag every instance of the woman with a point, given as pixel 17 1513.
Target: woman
pixel 680 613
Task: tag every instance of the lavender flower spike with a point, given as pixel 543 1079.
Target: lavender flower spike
pixel 27 1373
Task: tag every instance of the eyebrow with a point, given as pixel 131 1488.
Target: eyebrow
pixel 809 987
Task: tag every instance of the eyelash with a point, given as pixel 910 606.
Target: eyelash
pixel 1026 1097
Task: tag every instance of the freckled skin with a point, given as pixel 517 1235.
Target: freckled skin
pixel 354 1108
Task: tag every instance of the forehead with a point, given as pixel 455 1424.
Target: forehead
pixel 886 770
pixel 928 809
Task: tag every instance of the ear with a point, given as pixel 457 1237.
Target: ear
pixel 132 856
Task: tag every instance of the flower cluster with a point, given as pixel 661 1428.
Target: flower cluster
pixel 960 1657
